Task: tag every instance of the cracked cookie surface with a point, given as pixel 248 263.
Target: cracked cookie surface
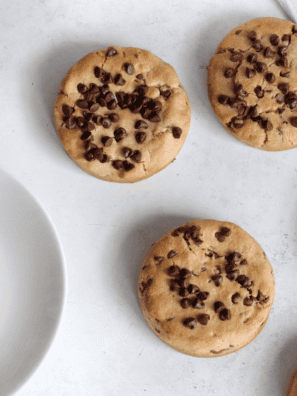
pixel 122 114
pixel 206 288
pixel 252 83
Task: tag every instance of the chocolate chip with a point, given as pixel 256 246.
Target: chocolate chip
pixel 184 292
pixel 166 94
pixel 283 87
pixel 225 231
pixel 119 80
pixel 112 104
pixel 93 88
pixel 67 110
pixel 274 39
pixel 218 306
pixel 261 298
pixel 232 275
pixel 229 72
pixel 81 122
pixel 89 145
pixel 141 124
pixel 127 152
pixel 197 303
pixel 223 99
pixel 193 289
pixel 129 68
pixel 250 72
pixel 259 92
pixel 258 46
pixel 173 270
pixel 139 76
pixel 235 298
pixel 190 323
pixel 261 67
pixel 176 132
pixel 286 38
pixel 243 280
pixel 90 126
pixel 293 121
pixel 69 122
pixel 270 77
pixel 252 35
pixel 236 57
pixel 282 50
pixel 106 78
pixel 106 141
pixel 267 125
pixel 238 89
pixel 118 165
pixel 114 117
pixel 97 71
pixel 253 111
pixel 243 262
pixel 218 279
pixel 184 283
pixel 171 254
pixel 185 303
pixel 82 88
pixel 185 273
pixel 89 156
pixel 203 319
pixel 268 53
pixel 283 62
pixel 87 116
pixel 140 137
pixel 105 122
pixel 158 259
pixel 174 286
pixel 252 58
pixel 294 29
pixel 102 102
pixel 136 156
pixel 225 314
pixel 94 107
pixel 119 134
pixel 111 52
pixel 248 301
pixel 83 104
pixel 202 296
pixel 86 135
pixel 128 166
pixel 94 153
pixel 285 74
pixel 279 98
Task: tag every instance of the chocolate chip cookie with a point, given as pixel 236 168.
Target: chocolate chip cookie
pixel 252 83
pixel 206 288
pixel 122 114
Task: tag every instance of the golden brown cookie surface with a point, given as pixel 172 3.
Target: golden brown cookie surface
pixel 206 288
pixel 122 114
pixel 252 83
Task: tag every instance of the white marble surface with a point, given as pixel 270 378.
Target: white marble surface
pixel 104 346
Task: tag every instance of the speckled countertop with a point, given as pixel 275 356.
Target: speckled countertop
pixel 104 346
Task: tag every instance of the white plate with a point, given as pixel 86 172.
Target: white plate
pixel 32 284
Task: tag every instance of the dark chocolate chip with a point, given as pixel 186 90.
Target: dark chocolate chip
pixel 248 301
pixel 94 88
pixel 67 110
pixel 82 88
pixel 171 254
pixel 232 275
pixel 193 289
pixel 202 296
pixel 166 94
pixel 225 231
pixel 252 58
pixel 236 57
pixel 81 122
pixel 235 298
pixel 89 145
pixel 252 35
pixel 106 78
pixel 190 323
pixel 197 303
pixel 274 39
pixel 261 298
pixel 229 72
pixel 184 283
pixel 89 156
pixel 83 104
pixel 139 76
pixel 282 50
pixel 293 121
pixel 106 141
pixel 128 166
pixel 158 259
pixel 102 102
pixel 286 38
pixel 136 156
pixel 218 235
pixel 184 292
pixel 109 96
pixel 250 72
pixel 86 135
pixel 243 280
pixel 97 71
pixel 259 92
pixel 270 77
pixel 96 119
pixel 283 62
pixel 90 126
pixel 283 87
pixel 111 52
pixel 218 279
pixel 129 68
pixel 127 152
pixel 267 125
pixel 94 107
pixel 223 99
pixel 268 53
pixel 261 67
pixel 114 117
pixel 118 165
pixel 285 74
pixel 87 116
pixel 140 137
pixel 153 117
pixel 185 303
pixel 294 29
pixel 70 122
pixel 185 273
pixel 238 89
pixel 218 306
pixel 174 286
pixel 225 314
pixel 105 122
pixel 258 46
pixel 203 319
pixel 176 132
pixel 119 134
pixel 112 104
pixel 279 98
pixel 119 80
pixel 141 124
pixel 173 270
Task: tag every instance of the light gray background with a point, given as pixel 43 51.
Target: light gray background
pixel 104 346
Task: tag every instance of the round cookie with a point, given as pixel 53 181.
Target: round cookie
pixel 122 114
pixel 292 387
pixel 206 288
pixel 252 83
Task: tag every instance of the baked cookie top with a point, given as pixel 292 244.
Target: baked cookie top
pixel 206 288
pixel 252 83
pixel 122 114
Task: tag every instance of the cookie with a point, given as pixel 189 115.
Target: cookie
pixel 122 114
pixel 206 288
pixel 292 387
pixel 252 83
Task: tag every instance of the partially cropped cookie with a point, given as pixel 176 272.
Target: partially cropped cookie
pixel 292 386
pixel 122 114
pixel 206 288
pixel 252 83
